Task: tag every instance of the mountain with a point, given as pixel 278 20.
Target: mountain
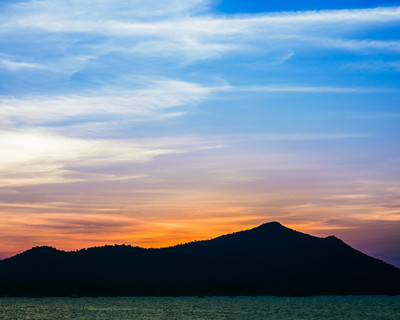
pixel 267 260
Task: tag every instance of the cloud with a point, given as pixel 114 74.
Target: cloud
pixel 149 103
pixel 298 136
pixel 306 89
pixel 18 65
pixel 375 66
pixel 183 32
pixel 35 156
pixel 137 18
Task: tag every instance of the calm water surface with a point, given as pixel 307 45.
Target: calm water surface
pixel 249 308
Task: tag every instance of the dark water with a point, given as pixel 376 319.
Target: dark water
pixel 249 308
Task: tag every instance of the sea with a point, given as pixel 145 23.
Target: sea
pixel 193 308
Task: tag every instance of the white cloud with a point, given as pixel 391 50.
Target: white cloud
pixel 151 103
pixel 95 10
pixel 18 65
pixel 175 29
pixel 148 103
pixel 358 45
pixel 306 89
pixel 136 18
pixel 34 156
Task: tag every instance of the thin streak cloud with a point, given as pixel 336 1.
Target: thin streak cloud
pixel 18 65
pixel 297 136
pixel 308 89
pixel 142 104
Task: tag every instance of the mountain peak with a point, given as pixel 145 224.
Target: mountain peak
pixel 274 227
pixel 272 224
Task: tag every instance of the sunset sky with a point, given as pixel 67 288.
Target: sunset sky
pixel 153 123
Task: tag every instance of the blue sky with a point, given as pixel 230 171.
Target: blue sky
pixel 153 123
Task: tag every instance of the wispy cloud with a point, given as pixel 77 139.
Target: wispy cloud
pixel 307 89
pixel 116 18
pixel 154 102
pixel 297 136
pixel 375 66
pixel 34 156
pixel 184 31
pixel 151 102
pixel 19 65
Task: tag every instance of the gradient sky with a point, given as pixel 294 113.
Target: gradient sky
pixel 153 123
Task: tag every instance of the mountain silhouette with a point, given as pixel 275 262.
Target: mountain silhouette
pixel 267 260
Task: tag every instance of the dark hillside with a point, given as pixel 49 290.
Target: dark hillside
pixel 268 260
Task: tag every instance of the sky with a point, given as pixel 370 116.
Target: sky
pixel 153 123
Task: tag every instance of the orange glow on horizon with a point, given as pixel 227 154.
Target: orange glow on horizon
pixel 152 234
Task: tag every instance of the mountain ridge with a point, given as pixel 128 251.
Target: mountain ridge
pixel 275 224
pixel 266 260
